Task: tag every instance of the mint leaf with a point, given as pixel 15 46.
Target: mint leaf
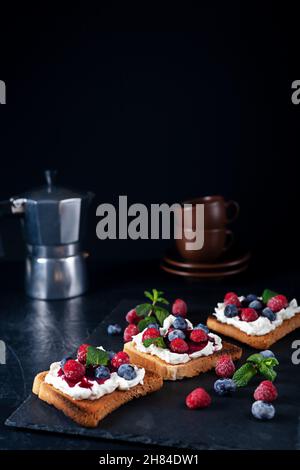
pixel 155 295
pixel 270 361
pixel 255 358
pixel 267 295
pixel 159 342
pixel 96 357
pixel 267 372
pixel 163 301
pixel 143 309
pixel 142 324
pixel 161 314
pixel 244 374
pixel 149 295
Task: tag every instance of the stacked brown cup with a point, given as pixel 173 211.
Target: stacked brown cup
pixel 217 237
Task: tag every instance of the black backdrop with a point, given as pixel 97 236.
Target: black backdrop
pixel 161 106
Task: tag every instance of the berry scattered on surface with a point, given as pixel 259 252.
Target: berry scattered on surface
pixel 198 336
pixel 277 303
pixel 180 323
pixel 102 372
pixel 130 331
pixel 256 304
pixel 225 367
pixel 153 325
pixel 74 371
pixel 262 410
pixel 251 297
pixel 64 360
pixel 132 316
pixel 268 313
pixel 127 371
pixel 266 391
pixel 81 353
pixel 119 359
pixel 198 398
pixel 150 333
pixel 232 298
pixel 179 346
pixel 248 314
pixel 267 353
pixel 176 334
pixel 231 310
pixel 224 386
pixel 113 330
pixel 202 327
pixel 179 307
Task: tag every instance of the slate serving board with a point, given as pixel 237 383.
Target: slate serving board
pixel 163 419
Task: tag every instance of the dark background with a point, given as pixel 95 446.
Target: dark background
pixel 160 106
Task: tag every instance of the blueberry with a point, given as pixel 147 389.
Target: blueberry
pixel 200 326
pixel 180 323
pixel 127 372
pixel 176 334
pixel 267 312
pixel 224 386
pixel 256 304
pixel 114 329
pixel 251 297
pixel 102 372
pixel 64 360
pixel 267 353
pixel 153 325
pixel 231 311
pixel 262 410
pixel 111 354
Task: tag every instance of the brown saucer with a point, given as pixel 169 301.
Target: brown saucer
pixel 193 274
pixel 232 259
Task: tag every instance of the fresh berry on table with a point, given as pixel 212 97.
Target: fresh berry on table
pixel 179 307
pixel 198 398
pixel 114 329
pixel 179 346
pixel 248 314
pixel 176 334
pixel 256 304
pixel 127 371
pixel 278 302
pixel 268 313
pixel 251 298
pixel 81 353
pixel 153 325
pixel 262 410
pixel 224 386
pixel 64 360
pixel 266 391
pixel 102 373
pixel 150 333
pixel 74 371
pixel 130 331
pixel 180 323
pixel 232 299
pixel 231 310
pixel 225 367
pixel 119 359
pixel 198 336
pixel 132 316
pixel 201 327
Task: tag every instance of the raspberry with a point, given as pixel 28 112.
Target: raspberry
pixel 132 316
pixel 198 336
pixel 277 303
pixel 119 359
pixel 266 391
pixel 179 307
pixel 179 346
pixel 81 353
pixel 74 371
pixel 198 398
pixel 232 299
pixel 150 333
pixel 194 347
pixel 225 366
pixel 248 314
pixel 130 331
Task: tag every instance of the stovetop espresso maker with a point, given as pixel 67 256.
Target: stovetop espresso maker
pixel 54 220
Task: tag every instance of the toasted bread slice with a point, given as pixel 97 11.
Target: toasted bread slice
pixel 88 413
pixel 179 371
pixel 257 342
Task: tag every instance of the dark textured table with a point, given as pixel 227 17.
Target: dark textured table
pixel 33 329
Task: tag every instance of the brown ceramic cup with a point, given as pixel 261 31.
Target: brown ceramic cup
pixel 216 242
pixel 217 212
